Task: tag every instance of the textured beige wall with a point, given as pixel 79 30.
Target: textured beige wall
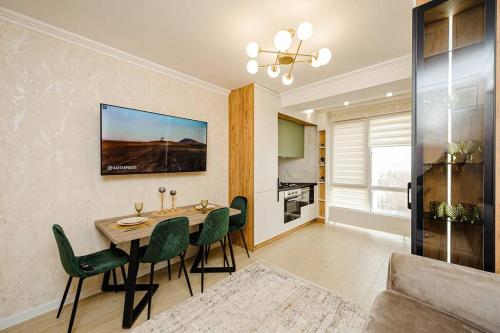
pixel 50 92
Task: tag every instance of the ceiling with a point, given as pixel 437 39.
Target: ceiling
pixel 207 39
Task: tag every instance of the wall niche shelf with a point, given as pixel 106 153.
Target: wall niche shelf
pixel 321 174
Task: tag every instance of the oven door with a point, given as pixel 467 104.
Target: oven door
pixel 292 208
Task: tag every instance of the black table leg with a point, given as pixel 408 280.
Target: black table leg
pixel 130 313
pixel 133 265
pixel 199 257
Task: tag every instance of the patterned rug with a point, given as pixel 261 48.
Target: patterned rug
pixel 260 298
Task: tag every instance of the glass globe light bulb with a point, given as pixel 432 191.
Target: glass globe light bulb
pixel 282 40
pixel 324 56
pixel 304 30
pixel 287 79
pixel 252 66
pixel 273 71
pixel 253 49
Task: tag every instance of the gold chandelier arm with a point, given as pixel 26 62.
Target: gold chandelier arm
pixel 277 58
pixel 287 53
pixel 295 58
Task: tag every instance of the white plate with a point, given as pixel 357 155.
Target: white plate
pixel 209 206
pixel 132 220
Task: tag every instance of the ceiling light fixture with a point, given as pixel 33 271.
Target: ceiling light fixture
pixel 252 66
pixel 346 103
pixel 283 42
pixel 287 79
pixel 389 94
pixel 273 71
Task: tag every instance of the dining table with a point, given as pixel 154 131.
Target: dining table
pixel 118 234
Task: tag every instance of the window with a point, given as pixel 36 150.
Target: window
pixel 372 164
pixel 390 173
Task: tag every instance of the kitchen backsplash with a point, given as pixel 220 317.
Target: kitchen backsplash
pixel 302 170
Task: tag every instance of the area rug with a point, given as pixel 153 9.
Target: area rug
pixel 260 298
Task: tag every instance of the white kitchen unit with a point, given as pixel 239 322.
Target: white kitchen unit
pixel 253 127
pixel 268 210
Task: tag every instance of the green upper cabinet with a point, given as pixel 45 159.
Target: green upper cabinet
pixel 290 139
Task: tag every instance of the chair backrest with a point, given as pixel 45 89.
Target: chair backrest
pixel 215 227
pixel 66 254
pixel 169 239
pixel 239 220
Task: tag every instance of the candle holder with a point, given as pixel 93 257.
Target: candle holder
pixel 162 190
pixel 172 194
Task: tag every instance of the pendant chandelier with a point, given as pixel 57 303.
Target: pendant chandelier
pixel 285 57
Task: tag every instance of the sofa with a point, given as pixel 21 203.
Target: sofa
pixel 427 295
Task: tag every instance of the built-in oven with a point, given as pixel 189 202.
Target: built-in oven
pixel 295 199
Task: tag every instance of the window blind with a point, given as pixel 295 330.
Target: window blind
pixel 349 153
pixel 350 197
pixel 391 130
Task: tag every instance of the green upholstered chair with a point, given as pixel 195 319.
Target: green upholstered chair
pixel 238 222
pixel 85 266
pixel 169 239
pixel 214 229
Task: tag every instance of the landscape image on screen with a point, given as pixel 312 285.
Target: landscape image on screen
pixel 135 141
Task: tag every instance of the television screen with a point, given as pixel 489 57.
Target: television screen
pixel 134 141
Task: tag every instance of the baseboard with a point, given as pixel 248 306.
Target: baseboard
pixel 28 314
pixel 286 233
pixel 36 311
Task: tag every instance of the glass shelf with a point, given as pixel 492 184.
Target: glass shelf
pixel 460 164
pixel 428 217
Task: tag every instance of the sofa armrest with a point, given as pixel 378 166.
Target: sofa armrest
pixel 463 292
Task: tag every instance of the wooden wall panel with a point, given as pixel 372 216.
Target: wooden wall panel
pixel 497 149
pixel 421 2
pixel 241 153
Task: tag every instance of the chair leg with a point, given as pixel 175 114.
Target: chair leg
pixel 64 296
pixel 231 252
pixel 114 280
pixel 207 251
pixel 169 273
pixel 224 254
pixel 75 304
pixel 202 249
pixel 124 276
pixel 183 266
pixel 224 244
pixel 180 266
pixel 244 242
pixel 150 293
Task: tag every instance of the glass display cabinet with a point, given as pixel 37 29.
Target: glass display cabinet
pixel 452 189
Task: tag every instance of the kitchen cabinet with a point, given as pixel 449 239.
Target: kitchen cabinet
pixel 253 158
pixel 290 139
pixel 269 216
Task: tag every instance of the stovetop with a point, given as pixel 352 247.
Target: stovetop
pixel 293 186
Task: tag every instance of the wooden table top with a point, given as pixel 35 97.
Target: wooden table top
pixel 118 234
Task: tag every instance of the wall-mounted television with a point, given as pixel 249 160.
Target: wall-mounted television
pixel 138 142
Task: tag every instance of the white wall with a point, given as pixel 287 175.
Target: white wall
pixel 50 92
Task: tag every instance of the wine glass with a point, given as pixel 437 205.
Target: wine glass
pixel 138 207
pixel 204 205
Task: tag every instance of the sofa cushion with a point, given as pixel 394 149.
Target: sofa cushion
pixel 463 292
pixel 394 312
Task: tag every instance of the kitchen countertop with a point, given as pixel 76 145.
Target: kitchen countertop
pixel 295 186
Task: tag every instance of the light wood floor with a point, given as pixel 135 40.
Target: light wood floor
pixel 350 261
